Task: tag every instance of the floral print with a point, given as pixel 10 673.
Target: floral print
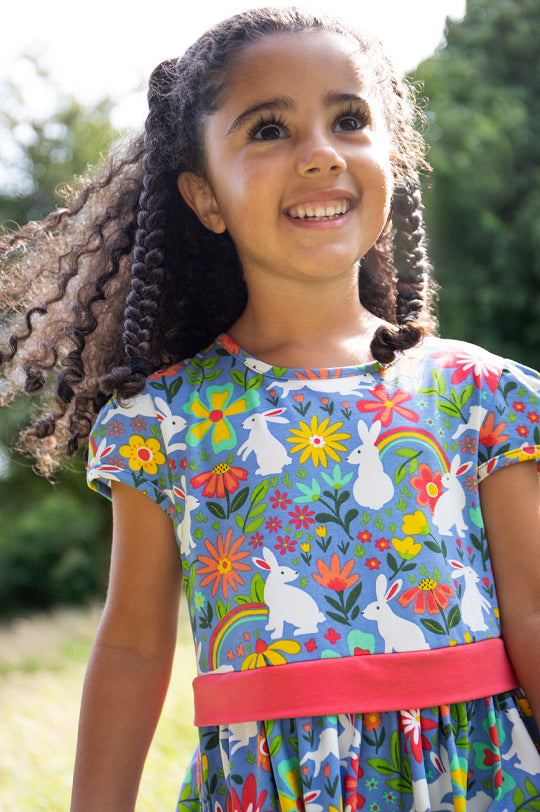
pixel 261 471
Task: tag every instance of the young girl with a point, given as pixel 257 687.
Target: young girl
pixel 250 281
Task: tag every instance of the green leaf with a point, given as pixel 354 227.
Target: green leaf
pixel 382 766
pixel 239 521
pixel 259 492
pixel 454 617
pixel 353 597
pixel 323 518
pixel 392 563
pixel 338 618
pixel 438 380
pixel 216 510
pixel 395 750
pixel 433 546
pixel 432 625
pixel 253 525
pixel 349 517
pixel 448 408
pixel 255 382
pixel 275 746
pixel 238 377
pixel 175 387
pixel 466 394
pixel 531 789
pixel 239 499
pixel 257 588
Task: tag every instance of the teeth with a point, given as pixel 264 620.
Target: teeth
pixel 319 211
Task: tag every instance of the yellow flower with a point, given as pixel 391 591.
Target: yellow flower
pixel 407 548
pixel 143 454
pixel 318 440
pixel 270 654
pixel 415 524
pixel 305 547
pixel 468 637
pixel 321 531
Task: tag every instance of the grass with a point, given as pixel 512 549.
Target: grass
pixel 42 665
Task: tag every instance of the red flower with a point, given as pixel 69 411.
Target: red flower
pixel 430 593
pixel 332 636
pixel 480 367
pixel 533 417
pixel 382 544
pixel 273 524
pixel 412 725
pixel 353 799
pixel 518 406
pixel 249 798
pixel 385 406
pixel 223 477
pixel 311 645
pixel 280 500
pixel 522 431
pixel 364 536
pixel 301 517
pixel 429 484
pixel 489 436
pixel 373 563
pixel 285 545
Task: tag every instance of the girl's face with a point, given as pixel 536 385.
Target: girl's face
pixel 297 157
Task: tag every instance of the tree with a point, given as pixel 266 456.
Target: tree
pixel 54 539
pixel 483 201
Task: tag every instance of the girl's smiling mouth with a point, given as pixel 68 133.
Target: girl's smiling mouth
pixel 320 210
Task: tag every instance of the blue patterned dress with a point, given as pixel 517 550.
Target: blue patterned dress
pixel 337 574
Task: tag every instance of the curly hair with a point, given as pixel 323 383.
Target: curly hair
pixel 125 280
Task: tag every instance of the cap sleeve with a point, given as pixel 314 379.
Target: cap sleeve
pixel 510 430
pixel 126 445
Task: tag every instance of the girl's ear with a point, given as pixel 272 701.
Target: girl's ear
pixel 199 196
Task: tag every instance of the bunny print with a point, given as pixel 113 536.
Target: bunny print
pixel 270 453
pixel 373 487
pixel 286 604
pixel 398 634
pixel 449 507
pixel 473 603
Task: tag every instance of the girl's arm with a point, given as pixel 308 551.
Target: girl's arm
pixel 130 665
pixel 510 501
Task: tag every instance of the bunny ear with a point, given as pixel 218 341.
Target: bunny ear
pixel 454 465
pixel 183 482
pixel 274 412
pixel 269 557
pixel 456 564
pixel 373 433
pixel 363 431
pixel 463 468
pixel 179 492
pixel 394 589
pixel 380 586
pixel 261 564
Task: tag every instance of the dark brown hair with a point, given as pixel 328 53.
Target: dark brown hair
pixel 125 280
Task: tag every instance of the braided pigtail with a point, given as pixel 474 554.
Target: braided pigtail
pixel 413 298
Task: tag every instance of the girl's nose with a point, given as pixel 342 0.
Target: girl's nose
pixel 319 155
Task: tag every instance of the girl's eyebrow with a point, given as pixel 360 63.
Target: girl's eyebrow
pixel 286 103
pixel 279 103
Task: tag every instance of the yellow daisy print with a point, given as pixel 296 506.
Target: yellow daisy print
pixel 270 654
pixel 145 454
pixel 318 441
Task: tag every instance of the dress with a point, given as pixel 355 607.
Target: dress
pixel 335 565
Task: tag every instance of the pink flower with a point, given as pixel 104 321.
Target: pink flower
pixel 384 406
pixel 479 367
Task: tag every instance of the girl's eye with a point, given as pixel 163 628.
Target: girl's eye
pixel 265 130
pixel 349 122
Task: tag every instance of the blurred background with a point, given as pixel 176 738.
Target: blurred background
pixel 70 83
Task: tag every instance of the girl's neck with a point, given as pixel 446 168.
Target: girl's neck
pixel 318 329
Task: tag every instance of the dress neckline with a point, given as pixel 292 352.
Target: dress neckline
pixel 225 341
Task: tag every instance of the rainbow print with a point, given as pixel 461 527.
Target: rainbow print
pixel 412 438
pixel 242 614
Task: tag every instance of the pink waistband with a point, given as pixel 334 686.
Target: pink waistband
pixel 376 682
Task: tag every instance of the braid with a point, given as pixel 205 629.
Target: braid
pixel 413 284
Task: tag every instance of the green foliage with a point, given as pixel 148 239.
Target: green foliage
pixel 483 200
pixel 54 539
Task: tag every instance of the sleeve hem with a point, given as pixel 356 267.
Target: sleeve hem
pixel 523 454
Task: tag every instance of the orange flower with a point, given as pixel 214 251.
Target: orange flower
pixel 334 579
pixel 489 436
pixel 430 592
pixel 223 564
pixel 223 477
pixel 371 721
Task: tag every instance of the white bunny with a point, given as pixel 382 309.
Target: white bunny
pixel 145 406
pixel 170 424
pixel 190 503
pixel 430 796
pixel 473 603
pixel 522 748
pixel 476 418
pixel 398 634
pixel 348 385
pixel 271 454
pixel 373 488
pixel 286 604
pixel 329 743
pixel 448 511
